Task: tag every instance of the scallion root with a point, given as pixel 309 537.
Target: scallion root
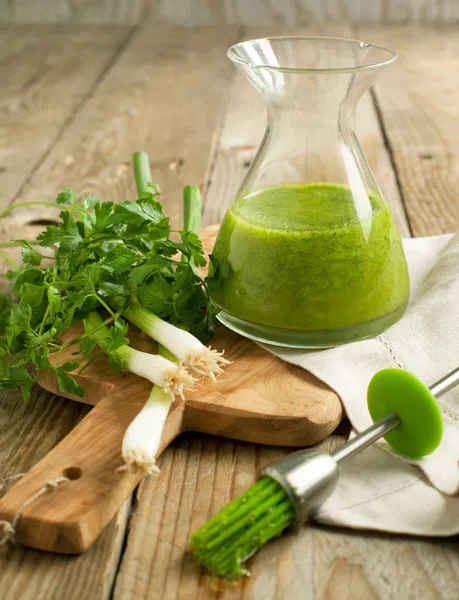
pixel 138 461
pixel 176 380
pixel 205 362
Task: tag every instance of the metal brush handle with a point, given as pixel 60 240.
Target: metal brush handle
pixel 379 429
pixel 445 384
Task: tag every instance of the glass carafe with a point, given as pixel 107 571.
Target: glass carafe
pixel 308 254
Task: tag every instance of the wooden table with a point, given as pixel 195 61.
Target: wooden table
pixel 76 102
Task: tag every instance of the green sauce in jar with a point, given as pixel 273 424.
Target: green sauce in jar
pixel 306 257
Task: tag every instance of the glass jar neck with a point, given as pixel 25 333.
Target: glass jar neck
pixel 310 133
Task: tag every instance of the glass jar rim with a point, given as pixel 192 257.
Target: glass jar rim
pixel 392 55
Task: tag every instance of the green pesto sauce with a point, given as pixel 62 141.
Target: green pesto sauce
pixel 303 257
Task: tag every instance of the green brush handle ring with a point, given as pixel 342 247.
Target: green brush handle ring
pixel 421 426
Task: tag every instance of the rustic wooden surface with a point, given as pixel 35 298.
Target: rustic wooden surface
pixel 260 399
pixel 173 93
pixel 228 12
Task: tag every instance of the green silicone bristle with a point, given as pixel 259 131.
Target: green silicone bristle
pixel 242 528
pixel 421 426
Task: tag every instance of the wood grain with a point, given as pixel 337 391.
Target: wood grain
pixel 47 75
pixel 418 102
pixel 32 575
pixel 229 12
pixel 72 11
pixel 136 107
pixel 38 66
pixel 28 431
pixel 265 12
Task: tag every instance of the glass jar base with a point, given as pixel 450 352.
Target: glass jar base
pixel 309 340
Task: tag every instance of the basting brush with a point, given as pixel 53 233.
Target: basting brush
pixel 404 412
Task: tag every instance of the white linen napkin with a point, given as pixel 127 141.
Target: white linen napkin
pixel 378 489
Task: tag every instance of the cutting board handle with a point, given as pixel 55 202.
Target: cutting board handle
pixel 68 518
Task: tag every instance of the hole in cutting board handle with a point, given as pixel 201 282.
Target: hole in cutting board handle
pixel 42 222
pixel 72 473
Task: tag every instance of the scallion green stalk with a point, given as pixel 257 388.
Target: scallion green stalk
pixel 142 174
pixel 192 209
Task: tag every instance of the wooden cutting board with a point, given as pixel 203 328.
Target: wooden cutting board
pixel 257 399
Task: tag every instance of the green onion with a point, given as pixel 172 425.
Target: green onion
pixel 199 359
pixel 174 379
pixel 142 439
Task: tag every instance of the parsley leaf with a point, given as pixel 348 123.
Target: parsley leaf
pixel 29 255
pixel 67 196
pixel 69 237
pixel 68 384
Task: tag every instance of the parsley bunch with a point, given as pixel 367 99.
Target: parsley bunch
pixel 100 255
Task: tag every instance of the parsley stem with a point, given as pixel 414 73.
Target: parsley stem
pixel 9 209
pixel 83 336
pixel 44 320
pixel 104 304
pixel 90 361
pixel 9 260
pixel 17 244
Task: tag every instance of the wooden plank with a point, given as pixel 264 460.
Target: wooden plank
pixel 136 108
pixel 169 508
pixel 29 430
pixel 370 566
pixel 189 13
pixel 72 11
pixel 33 575
pixel 47 73
pixel 264 12
pixel 234 12
pixel 421 11
pixel 418 100
pixel 300 12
